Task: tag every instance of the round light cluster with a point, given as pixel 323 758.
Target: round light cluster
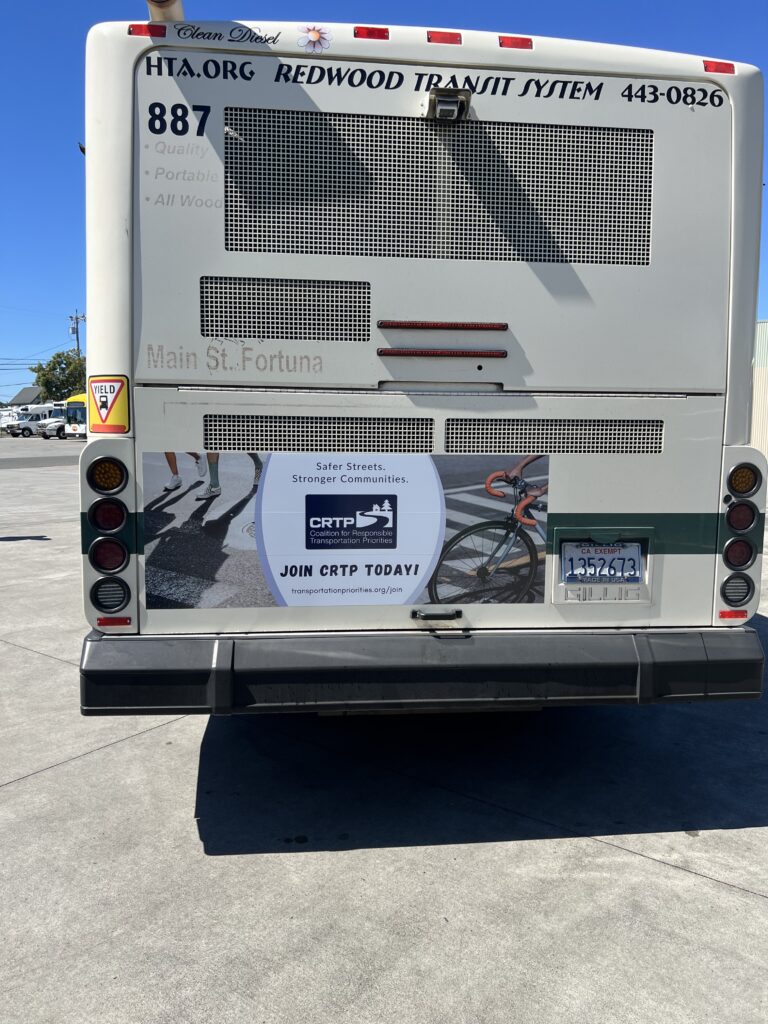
pixel 107 475
pixel 744 480
pixel 739 552
pixel 110 595
pixel 741 516
pixel 108 555
pixel 107 516
pixel 737 589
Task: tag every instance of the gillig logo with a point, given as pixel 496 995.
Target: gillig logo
pixel 344 521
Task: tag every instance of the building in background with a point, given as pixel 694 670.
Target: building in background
pixel 27 396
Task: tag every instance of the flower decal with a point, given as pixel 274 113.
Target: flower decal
pixel 314 38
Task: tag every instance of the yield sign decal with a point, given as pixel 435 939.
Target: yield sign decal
pixel 105 392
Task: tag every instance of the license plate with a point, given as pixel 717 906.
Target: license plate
pixel 601 563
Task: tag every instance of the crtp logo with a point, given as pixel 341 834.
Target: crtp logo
pixel 343 521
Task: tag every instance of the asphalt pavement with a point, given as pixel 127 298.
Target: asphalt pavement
pixel 600 866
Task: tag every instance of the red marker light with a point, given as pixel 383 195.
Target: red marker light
pixel 733 613
pixel 515 43
pixel 142 29
pixel 368 32
pixel 444 37
pixel 113 620
pixel 440 325
pixel 444 353
pixel 720 67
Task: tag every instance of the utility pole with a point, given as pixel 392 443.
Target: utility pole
pixel 74 328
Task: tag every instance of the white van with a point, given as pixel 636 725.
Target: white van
pixel 27 423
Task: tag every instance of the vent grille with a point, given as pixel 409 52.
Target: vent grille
pixel 555 437
pixel 300 181
pixel 110 595
pixel 227 432
pixel 737 590
pixel 284 309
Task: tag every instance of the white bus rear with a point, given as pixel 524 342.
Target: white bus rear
pixel 341 278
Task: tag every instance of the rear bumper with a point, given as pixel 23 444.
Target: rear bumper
pixel 417 671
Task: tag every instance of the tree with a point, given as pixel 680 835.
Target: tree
pixel 63 375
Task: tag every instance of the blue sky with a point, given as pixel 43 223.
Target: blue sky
pixel 41 77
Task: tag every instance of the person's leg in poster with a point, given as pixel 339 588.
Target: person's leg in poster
pixel 258 465
pixel 174 483
pixel 213 490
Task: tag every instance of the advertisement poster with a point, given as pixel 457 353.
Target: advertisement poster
pixel 254 530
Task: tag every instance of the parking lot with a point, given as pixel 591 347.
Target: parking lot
pixel 588 865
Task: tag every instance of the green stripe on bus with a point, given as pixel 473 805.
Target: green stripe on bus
pixel 132 534
pixel 671 533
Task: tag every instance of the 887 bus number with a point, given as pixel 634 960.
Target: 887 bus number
pixel 689 96
pixel 175 118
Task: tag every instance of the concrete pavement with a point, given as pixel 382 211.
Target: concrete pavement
pixel 591 865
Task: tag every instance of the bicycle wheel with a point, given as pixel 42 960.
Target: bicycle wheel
pixel 469 572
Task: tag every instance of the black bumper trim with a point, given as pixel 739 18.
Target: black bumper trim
pixel 420 670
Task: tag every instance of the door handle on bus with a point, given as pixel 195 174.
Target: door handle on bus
pixel 452 613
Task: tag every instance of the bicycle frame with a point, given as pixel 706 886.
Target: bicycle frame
pixel 499 556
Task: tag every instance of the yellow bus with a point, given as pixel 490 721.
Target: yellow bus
pixel 75 414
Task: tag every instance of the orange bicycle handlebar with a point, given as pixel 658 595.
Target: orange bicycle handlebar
pixel 520 508
pixel 498 475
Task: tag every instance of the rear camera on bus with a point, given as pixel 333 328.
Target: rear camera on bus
pixel 738 554
pixel 108 516
pixel 108 555
pixel 741 516
pixel 107 475
pixel 110 595
pixel 744 480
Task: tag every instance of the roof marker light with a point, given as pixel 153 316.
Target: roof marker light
pixel 142 29
pixel 369 32
pixel 515 42
pixel 444 37
pixel 444 353
pixel 440 325
pixel 720 67
pixel 733 613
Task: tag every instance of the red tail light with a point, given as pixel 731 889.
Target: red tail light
pixel 741 516
pixel 738 554
pixel 108 555
pixel 108 515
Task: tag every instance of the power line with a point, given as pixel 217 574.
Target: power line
pixel 17 361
